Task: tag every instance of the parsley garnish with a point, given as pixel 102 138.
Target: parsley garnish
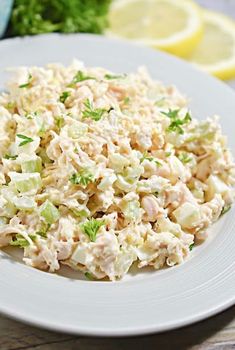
pixel 8 156
pixel 126 100
pixel 225 209
pixel 91 112
pixel 25 138
pixel 83 177
pixel 191 247
pixel 80 76
pixel 113 76
pixel 176 123
pixel 89 276
pixel 26 85
pixel 184 158
pixel 150 158
pixel 91 228
pixel 64 96
pixel 168 154
pixel 20 241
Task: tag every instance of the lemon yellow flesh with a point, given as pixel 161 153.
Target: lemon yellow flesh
pixel 168 24
pixel 216 51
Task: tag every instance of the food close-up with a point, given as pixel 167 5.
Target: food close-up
pixel 117 174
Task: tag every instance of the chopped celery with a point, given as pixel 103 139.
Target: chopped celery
pixel 24 203
pixel 49 212
pixel 32 166
pixel 26 182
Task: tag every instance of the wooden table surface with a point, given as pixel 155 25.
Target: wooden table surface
pixel 216 333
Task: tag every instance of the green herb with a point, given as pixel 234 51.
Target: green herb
pixel 91 228
pixel 83 177
pixel 10 105
pixel 64 96
pixel 150 158
pixel 26 85
pixel 126 100
pixel 167 154
pixel 59 122
pixel 184 158
pixel 191 247
pixel 43 234
pixel 225 209
pixel 25 138
pixel 176 122
pixel 20 241
pixel 80 76
pixel 45 16
pixel 91 112
pixel 89 276
pixel 113 76
pixel 8 156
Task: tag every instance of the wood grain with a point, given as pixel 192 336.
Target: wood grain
pixel 216 333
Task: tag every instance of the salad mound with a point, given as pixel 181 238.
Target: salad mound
pixel 99 170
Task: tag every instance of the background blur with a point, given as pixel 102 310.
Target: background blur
pixel 181 27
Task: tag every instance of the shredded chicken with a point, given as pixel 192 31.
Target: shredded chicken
pixel 100 170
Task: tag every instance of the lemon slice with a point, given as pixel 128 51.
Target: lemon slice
pixel 216 51
pixel 174 26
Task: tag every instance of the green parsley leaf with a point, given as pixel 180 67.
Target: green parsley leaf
pixel 184 158
pixel 80 76
pixel 89 276
pixel 126 100
pixel 91 112
pixel 168 154
pixel 25 138
pixel 225 209
pixel 28 84
pixel 176 123
pixel 191 247
pixel 113 76
pixel 91 228
pixel 8 156
pixel 150 158
pixel 64 96
pixel 83 177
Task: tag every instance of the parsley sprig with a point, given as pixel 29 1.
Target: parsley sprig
pixel 91 228
pixel 28 84
pixel 184 158
pixel 80 76
pixel 191 247
pixel 8 156
pixel 83 177
pixel 64 96
pixel 176 122
pixel 225 209
pixel 150 158
pixel 91 112
pixel 25 138
pixel 113 76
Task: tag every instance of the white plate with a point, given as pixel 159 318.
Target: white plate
pixel 145 302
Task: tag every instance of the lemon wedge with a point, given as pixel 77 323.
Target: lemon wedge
pixel 174 26
pixel 216 51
